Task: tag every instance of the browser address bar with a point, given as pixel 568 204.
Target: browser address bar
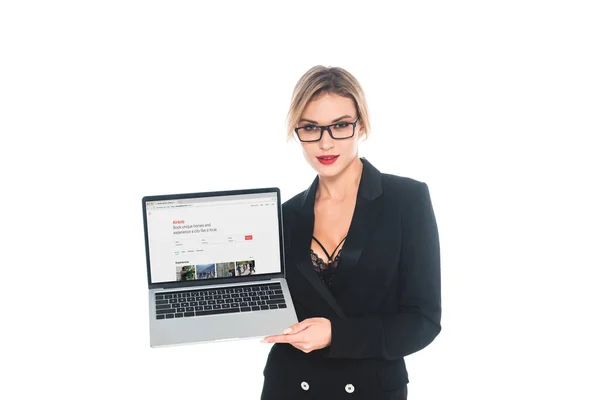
pixel 212 203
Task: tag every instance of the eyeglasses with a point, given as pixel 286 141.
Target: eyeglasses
pixel 314 133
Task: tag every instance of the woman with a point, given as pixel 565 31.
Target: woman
pixel 362 259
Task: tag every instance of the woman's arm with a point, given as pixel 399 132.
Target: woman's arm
pixel 417 322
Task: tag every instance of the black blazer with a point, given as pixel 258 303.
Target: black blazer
pixel 385 299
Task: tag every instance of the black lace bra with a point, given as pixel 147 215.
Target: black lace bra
pixel 325 270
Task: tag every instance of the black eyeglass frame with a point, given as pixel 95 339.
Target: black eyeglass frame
pixel 328 127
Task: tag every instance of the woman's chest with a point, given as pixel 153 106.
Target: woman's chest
pixel 332 222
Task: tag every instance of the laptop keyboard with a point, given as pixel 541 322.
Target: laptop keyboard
pixel 231 299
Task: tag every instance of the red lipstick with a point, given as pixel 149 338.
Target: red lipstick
pixel 327 159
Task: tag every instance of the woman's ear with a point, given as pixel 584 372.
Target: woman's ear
pixel 362 135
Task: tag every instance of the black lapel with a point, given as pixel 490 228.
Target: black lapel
pixel 301 238
pixel 361 227
pixel 364 221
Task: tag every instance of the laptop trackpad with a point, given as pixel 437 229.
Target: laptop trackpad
pixel 220 327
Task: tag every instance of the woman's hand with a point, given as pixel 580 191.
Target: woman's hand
pixel 308 335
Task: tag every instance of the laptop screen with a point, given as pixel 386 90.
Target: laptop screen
pixel 213 237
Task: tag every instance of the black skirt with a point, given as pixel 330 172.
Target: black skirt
pixel 292 374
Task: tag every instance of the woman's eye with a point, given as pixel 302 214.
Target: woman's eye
pixel 341 125
pixel 310 128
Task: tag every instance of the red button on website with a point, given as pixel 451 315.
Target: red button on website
pixel 248 237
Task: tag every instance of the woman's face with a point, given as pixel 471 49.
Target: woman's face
pixel 329 156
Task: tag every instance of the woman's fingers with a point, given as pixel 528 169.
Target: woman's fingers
pixel 289 338
pixel 300 326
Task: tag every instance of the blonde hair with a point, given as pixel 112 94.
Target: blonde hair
pixel 320 80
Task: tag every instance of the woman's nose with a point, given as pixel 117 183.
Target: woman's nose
pixel 326 141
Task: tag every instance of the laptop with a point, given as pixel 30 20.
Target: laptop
pixel 215 265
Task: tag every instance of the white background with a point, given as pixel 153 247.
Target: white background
pixel 494 104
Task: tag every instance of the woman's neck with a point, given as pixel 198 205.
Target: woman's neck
pixel 341 186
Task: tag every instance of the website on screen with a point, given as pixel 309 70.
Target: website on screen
pixel 213 237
